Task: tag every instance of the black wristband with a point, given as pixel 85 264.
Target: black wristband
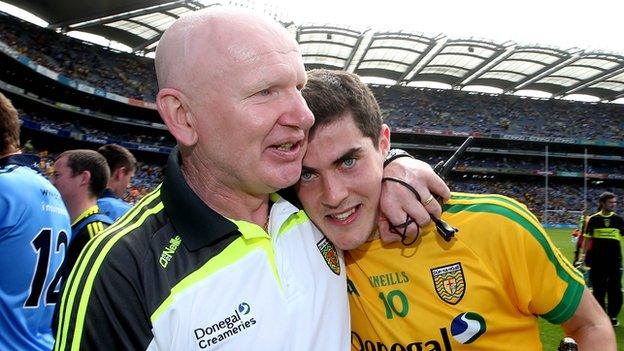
pixel 393 154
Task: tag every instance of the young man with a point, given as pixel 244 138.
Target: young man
pixel 214 258
pixel 603 234
pixel 80 176
pixel 122 166
pixel 34 235
pixel 481 290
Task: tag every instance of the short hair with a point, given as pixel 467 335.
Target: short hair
pixel 607 195
pixel 117 156
pixel 9 126
pixel 81 160
pixel 331 94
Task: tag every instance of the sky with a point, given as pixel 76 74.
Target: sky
pixel 590 25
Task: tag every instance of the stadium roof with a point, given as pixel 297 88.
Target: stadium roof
pixel 397 57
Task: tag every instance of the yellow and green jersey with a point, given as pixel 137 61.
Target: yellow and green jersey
pixel 480 291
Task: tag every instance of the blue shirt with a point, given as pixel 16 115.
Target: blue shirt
pixel 34 236
pixel 111 205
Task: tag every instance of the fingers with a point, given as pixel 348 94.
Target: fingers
pixel 397 201
pixel 387 235
pixel 384 231
pixel 437 186
pixel 420 176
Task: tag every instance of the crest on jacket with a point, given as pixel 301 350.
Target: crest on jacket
pixel 329 253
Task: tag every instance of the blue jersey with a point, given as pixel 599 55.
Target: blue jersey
pixel 111 205
pixel 34 236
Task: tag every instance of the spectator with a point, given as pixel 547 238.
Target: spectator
pixel 122 166
pixel 81 176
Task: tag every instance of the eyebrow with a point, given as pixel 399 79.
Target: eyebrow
pixel 351 153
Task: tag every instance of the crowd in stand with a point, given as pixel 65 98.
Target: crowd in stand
pixel 95 129
pixel 459 111
pixel 121 73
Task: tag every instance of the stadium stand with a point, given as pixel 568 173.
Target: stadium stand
pixel 124 74
pixel 72 94
pixel 460 111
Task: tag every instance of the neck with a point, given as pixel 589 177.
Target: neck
pixel 115 188
pixel 374 235
pixel 79 206
pixel 226 199
pixel 605 212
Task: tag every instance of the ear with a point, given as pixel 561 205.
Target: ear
pixel 177 116
pixel 384 140
pixel 119 173
pixel 85 178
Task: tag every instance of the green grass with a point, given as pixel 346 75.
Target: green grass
pixel 552 334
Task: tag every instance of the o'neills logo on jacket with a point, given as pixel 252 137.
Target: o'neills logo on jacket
pixel 209 336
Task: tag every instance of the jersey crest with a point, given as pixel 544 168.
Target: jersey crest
pixel 329 253
pixel 449 282
pixel 607 222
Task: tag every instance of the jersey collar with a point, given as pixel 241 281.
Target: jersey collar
pixel 197 224
pixel 86 213
pixel 109 193
pixel 21 160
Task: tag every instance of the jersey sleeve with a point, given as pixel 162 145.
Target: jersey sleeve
pixel 544 281
pixel 531 270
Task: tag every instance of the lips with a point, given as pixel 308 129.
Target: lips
pixel 344 217
pixel 288 149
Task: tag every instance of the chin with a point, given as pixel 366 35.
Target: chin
pixel 286 177
pixel 348 244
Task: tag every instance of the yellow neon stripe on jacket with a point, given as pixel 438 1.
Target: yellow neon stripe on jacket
pixel 84 299
pixel 69 293
pixel 233 253
pixel 295 219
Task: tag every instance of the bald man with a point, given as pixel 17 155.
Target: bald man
pixel 214 258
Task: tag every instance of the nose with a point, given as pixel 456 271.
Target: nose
pixel 334 192
pixel 298 115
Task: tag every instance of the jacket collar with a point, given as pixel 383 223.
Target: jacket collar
pixel 197 224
